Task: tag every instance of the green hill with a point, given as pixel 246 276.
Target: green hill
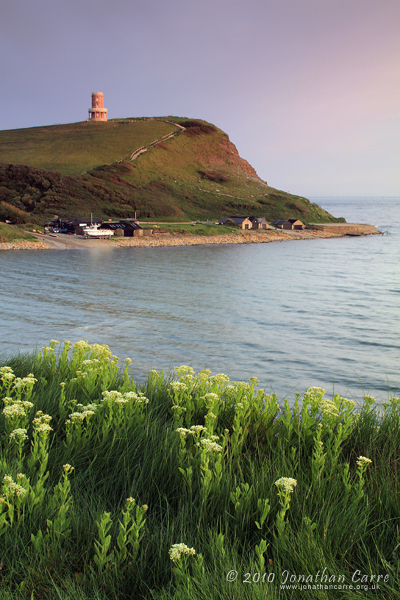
pixel 166 168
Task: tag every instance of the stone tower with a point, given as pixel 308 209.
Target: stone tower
pixel 97 112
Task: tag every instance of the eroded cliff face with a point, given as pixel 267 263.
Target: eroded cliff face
pixel 227 156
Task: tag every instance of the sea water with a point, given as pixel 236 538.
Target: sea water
pixel 295 314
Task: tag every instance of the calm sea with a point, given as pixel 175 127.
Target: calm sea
pixel 294 314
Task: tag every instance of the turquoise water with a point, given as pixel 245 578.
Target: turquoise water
pixel 294 314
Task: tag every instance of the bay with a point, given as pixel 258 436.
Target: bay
pixel 294 314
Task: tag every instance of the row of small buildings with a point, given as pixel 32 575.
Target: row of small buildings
pixel 261 223
pixel 122 228
pixel 131 227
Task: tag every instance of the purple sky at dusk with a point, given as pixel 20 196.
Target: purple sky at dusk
pixel 308 90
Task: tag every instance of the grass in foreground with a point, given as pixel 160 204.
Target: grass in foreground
pixel 190 487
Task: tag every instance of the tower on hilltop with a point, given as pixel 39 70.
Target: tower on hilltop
pixel 97 112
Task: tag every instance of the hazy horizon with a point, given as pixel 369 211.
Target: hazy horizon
pixel 308 92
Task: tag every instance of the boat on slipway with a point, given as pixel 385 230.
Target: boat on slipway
pixel 95 231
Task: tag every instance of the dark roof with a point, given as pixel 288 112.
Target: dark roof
pixel 77 220
pixel 238 220
pixel 281 222
pixel 114 225
pixel 294 220
pixel 258 219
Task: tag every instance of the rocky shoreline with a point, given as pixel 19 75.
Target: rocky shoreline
pixel 24 245
pixel 163 240
pixel 236 238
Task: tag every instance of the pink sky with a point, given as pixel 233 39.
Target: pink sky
pixel 308 90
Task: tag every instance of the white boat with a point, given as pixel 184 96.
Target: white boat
pixel 95 231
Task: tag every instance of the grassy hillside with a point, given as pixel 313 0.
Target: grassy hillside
pixel 152 166
pixel 77 147
pixel 9 233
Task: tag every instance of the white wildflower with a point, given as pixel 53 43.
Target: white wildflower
pixel 182 431
pixel 14 410
pixel 220 378
pixel 5 370
pixel 198 428
pixel 210 397
pixel 362 460
pixel 14 488
pixel 178 386
pixel 43 428
pixel 177 549
pixel 210 446
pixel 287 483
pixel 184 371
pixel 329 408
pixel 19 434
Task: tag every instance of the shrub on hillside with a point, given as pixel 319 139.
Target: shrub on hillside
pixel 197 127
pixel 216 176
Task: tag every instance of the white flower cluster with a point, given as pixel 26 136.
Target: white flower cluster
pixel 192 431
pixel 102 351
pixel 82 345
pixel 24 382
pixel 198 428
pixel 177 549
pixel 211 415
pixel 20 434
pixel 128 397
pixel 4 370
pixel 287 483
pixel 185 371
pixel 220 378
pixel 41 423
pixel 81 416
pixel 210 446
pixel 210 398
pixel 329 408
pixel 90 364
pixel 178 386
pixel 67 468
pixel 6 374
pixel 13 488
pixel 14 410
pixel 363 461
pixel 346 402
pixel 313 395
pixel 202 377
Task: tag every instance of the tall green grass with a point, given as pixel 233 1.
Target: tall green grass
pixel 189 486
